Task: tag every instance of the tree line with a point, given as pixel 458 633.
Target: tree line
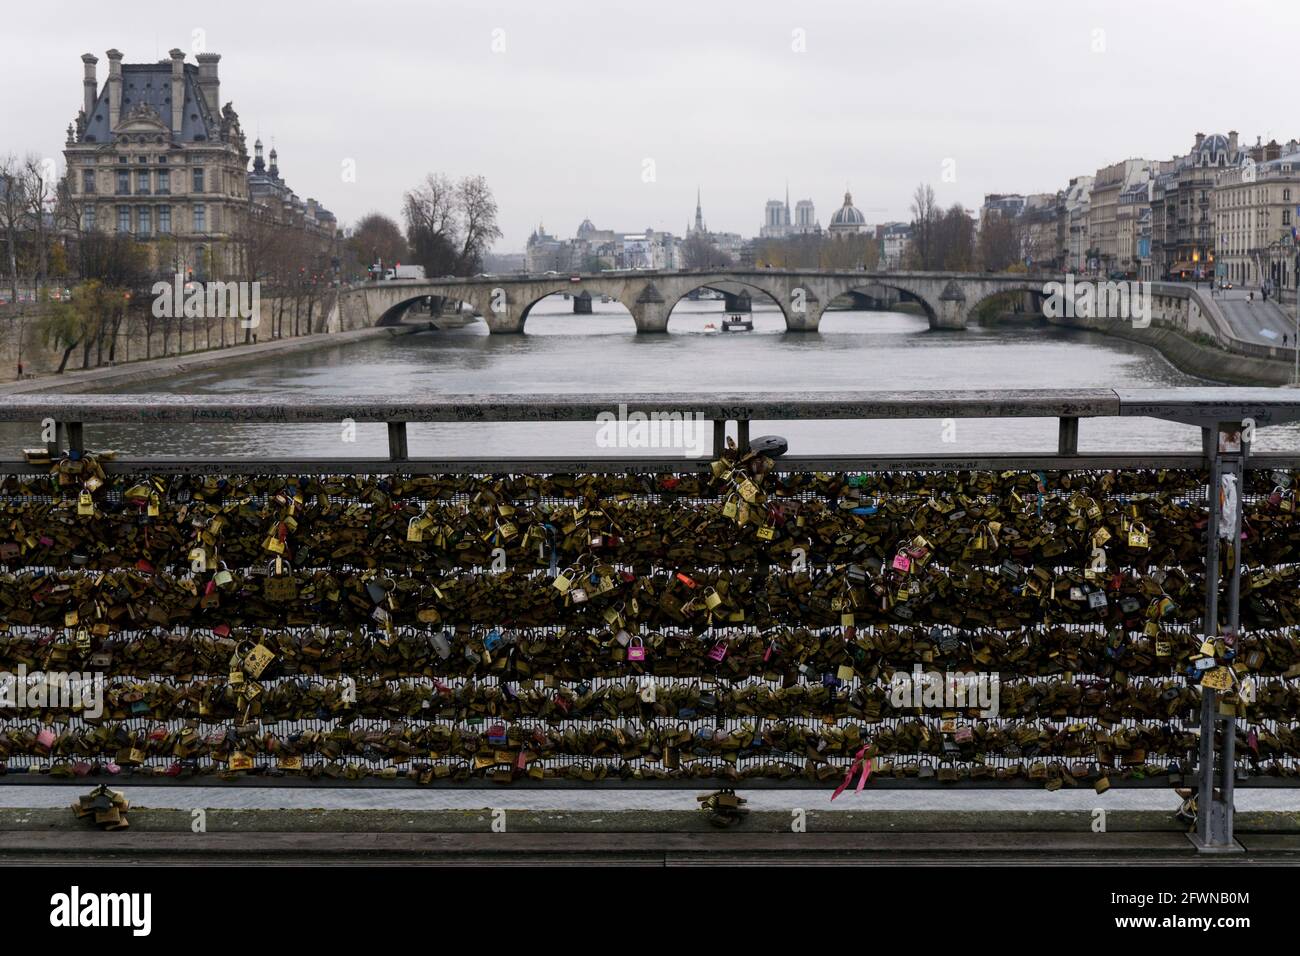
pixel 449 226
pixel 93 286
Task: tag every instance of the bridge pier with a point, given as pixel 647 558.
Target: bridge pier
pixel 951 311
pixel 503 325
pixel 650 310
pixel 650 317
pixel 803 313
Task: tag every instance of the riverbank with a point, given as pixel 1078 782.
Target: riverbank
pixel 1192 354
pixel 148 370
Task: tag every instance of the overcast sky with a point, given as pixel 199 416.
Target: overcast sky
pixel 569 107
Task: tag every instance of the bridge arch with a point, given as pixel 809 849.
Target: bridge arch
pixel 720 284
pixel 395 313
pixel 907 291
pixel 596 291
pixel 984 294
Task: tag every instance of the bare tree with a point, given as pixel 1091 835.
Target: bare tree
pixel 13 209
pixel 999 243
pixel 430 213
pixel 954 240
pixel 39 193
pixel 925 221
pixel 376 238
pixel 478 214
pixel 451 226
pixel 700 252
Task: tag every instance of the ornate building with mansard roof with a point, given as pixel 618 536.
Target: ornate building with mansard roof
pixel 154 155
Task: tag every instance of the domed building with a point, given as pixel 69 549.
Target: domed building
pixel 847 221
pixel 1182 218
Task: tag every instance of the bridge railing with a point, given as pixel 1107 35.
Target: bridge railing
pixel 726 620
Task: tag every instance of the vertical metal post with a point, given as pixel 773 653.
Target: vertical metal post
pixel 76 443
pixel 397 441
pixel 1067 440
pixel 1214 803
pixel 719 438
pixel 54 447
pixel 742 434
pixel 1234 465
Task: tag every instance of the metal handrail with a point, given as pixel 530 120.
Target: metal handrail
pixel 1199 406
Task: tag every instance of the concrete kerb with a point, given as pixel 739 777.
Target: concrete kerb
pixel 216 820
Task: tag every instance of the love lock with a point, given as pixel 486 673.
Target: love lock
pixel 724 808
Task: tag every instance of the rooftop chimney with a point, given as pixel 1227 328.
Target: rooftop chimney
pixel 114 87
pixel 178 91
pixel 90 84
pixel 209 82
pixel 1232 140
pixel 1200 138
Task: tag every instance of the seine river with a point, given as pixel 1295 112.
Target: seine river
pixel 561 352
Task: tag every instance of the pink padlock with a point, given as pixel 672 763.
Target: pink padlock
pixel 719 652
pixel 902 562
pixel 636 650
pixel 45 738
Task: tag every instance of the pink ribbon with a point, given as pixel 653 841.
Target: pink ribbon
pixel 860 760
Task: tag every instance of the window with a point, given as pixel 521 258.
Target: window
pixel 164 220
pixel 123 182
pixel 88 181
pixel 164 182
pixel 198 180
pixel 1286 217
pixel 200 218
pixel 1286 195
pixel 143 225
pixel 163 160
pixel 88 218
pixel 123 218
pixel 142 183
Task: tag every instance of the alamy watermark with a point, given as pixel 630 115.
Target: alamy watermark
pixel 946 691
pixel 687 432
pixel 53 690
pixel 1087 299
pixel 179 299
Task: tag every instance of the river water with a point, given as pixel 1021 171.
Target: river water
pixel 561 352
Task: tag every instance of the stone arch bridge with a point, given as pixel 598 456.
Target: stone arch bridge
pixel 947 298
